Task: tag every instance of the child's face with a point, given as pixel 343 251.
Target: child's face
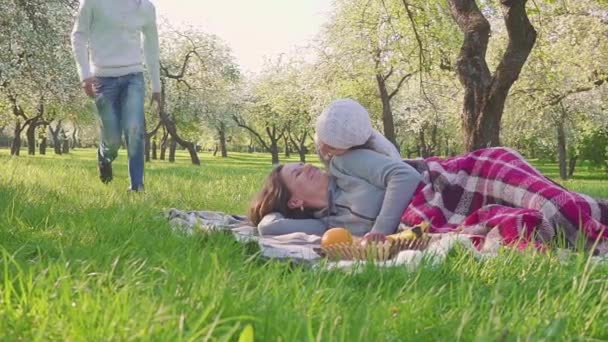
pixel 329 151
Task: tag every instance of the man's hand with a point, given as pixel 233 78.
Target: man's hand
pixel 156 98
pixel 89 86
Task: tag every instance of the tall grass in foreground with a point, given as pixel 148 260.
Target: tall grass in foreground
pixel 83 261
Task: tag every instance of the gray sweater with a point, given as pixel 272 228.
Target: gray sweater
pixel 367 191
pixel 107 39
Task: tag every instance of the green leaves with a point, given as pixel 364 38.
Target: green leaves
pixel 202 81
pixel 247 334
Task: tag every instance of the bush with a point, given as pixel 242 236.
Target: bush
pixel 593 146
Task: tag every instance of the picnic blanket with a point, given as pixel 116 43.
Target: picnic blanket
pixel 495 191
pixel 299 247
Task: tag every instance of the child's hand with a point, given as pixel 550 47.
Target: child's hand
pixel 372 236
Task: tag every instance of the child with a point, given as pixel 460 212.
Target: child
pixel 345 124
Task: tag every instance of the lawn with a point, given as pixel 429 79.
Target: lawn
pixel 82 261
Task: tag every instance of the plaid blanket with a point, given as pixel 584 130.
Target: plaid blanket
pixel 495 191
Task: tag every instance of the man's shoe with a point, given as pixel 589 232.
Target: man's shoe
pixel 140 189
pixel 105 172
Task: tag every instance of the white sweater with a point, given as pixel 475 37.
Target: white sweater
pixel 106 39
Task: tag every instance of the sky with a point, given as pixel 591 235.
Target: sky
pixel 254 29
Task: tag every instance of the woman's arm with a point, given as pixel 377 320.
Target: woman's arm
pixel 276 224
pixel 398 178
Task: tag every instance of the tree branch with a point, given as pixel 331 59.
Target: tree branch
pixel 396 90
pixel 389 74
pixel 241 123
pixel 180 76
pixel 473 71
pixel 522 37
pixel 410 15
pixel 153 132
pixel 558 98
pixel 471 64
pixel 17 110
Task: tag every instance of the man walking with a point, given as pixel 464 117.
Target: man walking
pixel 107 46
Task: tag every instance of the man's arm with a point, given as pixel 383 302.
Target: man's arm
pixel 80 38
pixel 152 50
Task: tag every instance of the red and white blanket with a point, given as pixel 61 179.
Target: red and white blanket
pixel 495 191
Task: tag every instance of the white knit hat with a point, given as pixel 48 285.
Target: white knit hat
pixel 344 124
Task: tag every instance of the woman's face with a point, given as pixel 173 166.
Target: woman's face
pixel 307 185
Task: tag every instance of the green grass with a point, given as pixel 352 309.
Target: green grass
pixel 82 261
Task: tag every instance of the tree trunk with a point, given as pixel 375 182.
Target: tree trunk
pixel 42 140
pixel 302 154
pixel 572 165
pixel 301 148
pixel 163 145
pixel 154 147
pixel 484 94
pixel 147 148
pixel 434 143
pixel 251 144
pixel 387 112
pixel 75 139
pixel 57 147
pixel 561 150
pixel 222 140
pixel 273 134
pixel 32 124
pixel 299 145
pixel 55 135
pixel 65 146
pixel 149 136
pixel 215 150
pixel 172 129
pixel 42 146
pixel 30 134
pixel 16 144
pixel 286 142
pixel 424 147
pixel 172 148
pixel 274 152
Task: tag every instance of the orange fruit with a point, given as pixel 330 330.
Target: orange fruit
pixel 335 236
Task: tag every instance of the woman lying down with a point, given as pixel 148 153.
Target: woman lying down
pixel 369 190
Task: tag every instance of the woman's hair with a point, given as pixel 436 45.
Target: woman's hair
pixel 273 198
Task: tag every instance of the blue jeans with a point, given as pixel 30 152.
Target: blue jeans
pixel 120 105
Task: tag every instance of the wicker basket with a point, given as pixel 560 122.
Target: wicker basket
pixel 376 251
